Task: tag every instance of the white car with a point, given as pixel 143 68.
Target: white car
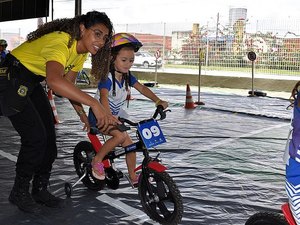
pixel 146 60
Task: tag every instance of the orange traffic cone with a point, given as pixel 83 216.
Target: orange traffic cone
pixel 189 103
pixel 52 103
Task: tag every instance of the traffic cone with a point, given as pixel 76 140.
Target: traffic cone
pixel 189 103
pixel 52 103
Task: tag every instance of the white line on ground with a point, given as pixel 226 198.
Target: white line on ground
pixel 228 140
pixel 8 156
pixel 132 212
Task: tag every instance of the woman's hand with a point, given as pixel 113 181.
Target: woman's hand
pixel 103 118
pixel 86 125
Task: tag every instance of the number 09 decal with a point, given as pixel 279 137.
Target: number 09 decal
pixel 147 133
pixel 151 133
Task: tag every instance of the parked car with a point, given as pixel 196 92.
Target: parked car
pixel 146 60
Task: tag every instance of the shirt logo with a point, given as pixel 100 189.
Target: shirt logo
pixel 68 68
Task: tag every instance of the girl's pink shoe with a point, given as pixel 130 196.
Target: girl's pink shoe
pixel 98 170
pixel 135 181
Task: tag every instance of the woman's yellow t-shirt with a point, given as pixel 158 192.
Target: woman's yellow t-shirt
pixel 50 47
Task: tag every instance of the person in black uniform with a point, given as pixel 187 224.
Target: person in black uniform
pixel 56 51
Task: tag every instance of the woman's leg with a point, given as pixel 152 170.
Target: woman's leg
pixel 42 174
pixel 33 145
pixel 44 109
pixel 32 131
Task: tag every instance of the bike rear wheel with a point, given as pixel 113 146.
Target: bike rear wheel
pixel 160 197
pixel 266 218
pixel 82 157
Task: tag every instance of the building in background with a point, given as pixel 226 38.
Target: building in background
pixel 236 14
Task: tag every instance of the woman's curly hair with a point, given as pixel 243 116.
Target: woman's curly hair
pixel 100 61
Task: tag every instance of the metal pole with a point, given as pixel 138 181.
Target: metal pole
pixel 77 7
pixel 199 81
pixel 52 10
pixel 252 78
pixel 156 84
pixel 206 54
pixel 199 78
pixel 164 46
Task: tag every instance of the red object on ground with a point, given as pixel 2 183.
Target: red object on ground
pixel 52 103
pixel 189 103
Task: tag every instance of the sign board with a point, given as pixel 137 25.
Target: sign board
pixel 151 133
pixel 251 56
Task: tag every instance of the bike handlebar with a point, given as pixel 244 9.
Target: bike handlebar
pixel 159 111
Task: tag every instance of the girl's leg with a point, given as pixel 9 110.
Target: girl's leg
pixel 116 139
pixel 130 159
pixel 131 164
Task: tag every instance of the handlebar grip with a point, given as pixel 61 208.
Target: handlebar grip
pixel 160 110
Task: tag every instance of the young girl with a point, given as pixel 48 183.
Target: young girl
pixel 113 93
pixel 293 163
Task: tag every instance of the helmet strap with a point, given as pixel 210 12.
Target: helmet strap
pixel 113 82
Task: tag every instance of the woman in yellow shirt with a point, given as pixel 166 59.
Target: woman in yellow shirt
pixel 55 52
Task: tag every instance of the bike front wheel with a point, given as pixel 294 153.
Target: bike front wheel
pixel 160 197
pixel 266 218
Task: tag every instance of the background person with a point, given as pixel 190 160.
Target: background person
pixel 293 164
pixel 112 94
pixel 3 50
pixel 56 52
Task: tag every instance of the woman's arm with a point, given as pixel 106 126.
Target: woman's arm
pixel 71 76
pixel 59 84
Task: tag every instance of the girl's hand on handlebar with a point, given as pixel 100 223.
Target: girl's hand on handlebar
pixel 163 103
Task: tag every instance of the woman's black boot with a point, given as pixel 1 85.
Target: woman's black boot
pixel 21 197
pixel 41 194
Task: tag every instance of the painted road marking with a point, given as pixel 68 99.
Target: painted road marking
pixel 228 140
pixel 8 156
pixel 134 214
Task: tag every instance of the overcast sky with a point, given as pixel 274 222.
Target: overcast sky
pixel 142 11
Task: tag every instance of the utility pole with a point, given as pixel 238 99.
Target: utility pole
pixel 77 7
pixel 52 10
pixel 217 32
pixel 217 26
